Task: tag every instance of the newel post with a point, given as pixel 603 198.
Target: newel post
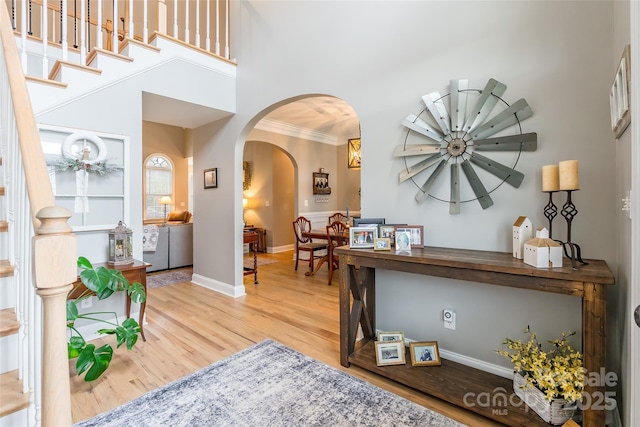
pixel 54 271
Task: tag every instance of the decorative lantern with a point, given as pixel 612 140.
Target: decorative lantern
pixel 120 245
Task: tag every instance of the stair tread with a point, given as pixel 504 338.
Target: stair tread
pixel 9 325
pixel 6 269
pixel 12 399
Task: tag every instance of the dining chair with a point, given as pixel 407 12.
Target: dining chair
pixel 338 216
pixel 302 225
pixel 336 237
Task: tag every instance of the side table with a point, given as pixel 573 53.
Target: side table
pixel 136 272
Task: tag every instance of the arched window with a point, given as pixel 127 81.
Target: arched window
pixel 158 173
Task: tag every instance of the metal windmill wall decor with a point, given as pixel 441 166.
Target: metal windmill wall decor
pixel 456 137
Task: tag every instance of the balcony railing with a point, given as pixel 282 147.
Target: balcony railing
pixel 69 30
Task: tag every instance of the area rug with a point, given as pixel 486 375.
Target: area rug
pixel 272 385
pixel 155 280
pixel 247 262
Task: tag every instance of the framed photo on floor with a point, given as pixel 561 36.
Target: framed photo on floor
pixel 390 336
pixel 390 353
pixel 424 353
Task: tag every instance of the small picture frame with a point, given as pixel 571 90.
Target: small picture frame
pixel 362 237
pixel 381 244
pixel 416 234
pixel 403 241
pixel 390 353
pixel 390 336
pixel 388 231
pixel 211 178
pixel 619 98
pixel 424 353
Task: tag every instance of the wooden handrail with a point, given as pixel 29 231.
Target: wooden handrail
pixel 53 249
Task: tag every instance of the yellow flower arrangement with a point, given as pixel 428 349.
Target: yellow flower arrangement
pixel 558 372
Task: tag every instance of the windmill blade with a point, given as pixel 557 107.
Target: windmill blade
pixel 458 101
pixel 412 171
pixel 523 142
pixel 519 111
pixel 454 204
pixel 438 110
pixel 507 174
pixel 485 104
pixel 415 150
pixel 418 125
pixel 476 185
pixel 424 191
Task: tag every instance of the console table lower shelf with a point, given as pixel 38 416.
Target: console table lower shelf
pixel 458 384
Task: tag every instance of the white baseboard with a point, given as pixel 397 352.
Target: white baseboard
pixel 221 287
pixel 20 418
pixel 471 362
pixel 279 249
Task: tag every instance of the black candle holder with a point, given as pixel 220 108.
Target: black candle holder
pixel 550 212
pixel 569 211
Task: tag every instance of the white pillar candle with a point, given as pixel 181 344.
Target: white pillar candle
pixel 550 178
pixel 568 171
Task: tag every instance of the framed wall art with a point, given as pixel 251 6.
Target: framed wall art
pixel 321 183
pixel 211 178
pixel 619 95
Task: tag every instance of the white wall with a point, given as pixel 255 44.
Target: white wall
pixel 381 57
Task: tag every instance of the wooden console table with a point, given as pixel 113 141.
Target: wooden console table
pixel 136 272
pixel 452 381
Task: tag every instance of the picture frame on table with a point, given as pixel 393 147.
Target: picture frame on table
pixel 403 241
pixel 381 244
pixel 416 233
pixel 424 353
pixel 390 353
pixel 388 231
pixel 390 336
pixel 362 237
pixel 619 98
pixel 211 178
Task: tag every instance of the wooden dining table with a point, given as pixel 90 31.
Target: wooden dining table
pixel 321 234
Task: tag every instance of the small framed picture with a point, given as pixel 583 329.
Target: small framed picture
pixel 403 241
pixel 424 353
pixel 390 336
pixel 211 178
pixel 390 353
pixel 362 237
pixel 382 244
pixel 416 233
pixel 388 231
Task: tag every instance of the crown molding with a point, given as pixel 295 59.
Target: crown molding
pixel 297 132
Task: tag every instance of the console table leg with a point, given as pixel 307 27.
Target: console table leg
pixel 593 342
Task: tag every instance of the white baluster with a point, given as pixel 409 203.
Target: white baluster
pixel 99 42
pixel 197 36
pixel 114 37
pixel 217 27
pixel 45 41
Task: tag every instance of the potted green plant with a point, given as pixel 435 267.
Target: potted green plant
pixel 548 381
pixel 102 282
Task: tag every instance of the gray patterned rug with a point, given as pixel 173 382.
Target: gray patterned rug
pixel 271 385
pixel 155 280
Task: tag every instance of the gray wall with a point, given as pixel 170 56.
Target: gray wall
pixel 557 55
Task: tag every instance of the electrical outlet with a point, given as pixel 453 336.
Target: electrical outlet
pixel 86 303
pixel 449 318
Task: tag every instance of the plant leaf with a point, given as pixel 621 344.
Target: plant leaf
pixel 75 346
pixel 72 312
pixel 94 361
pixel 137 293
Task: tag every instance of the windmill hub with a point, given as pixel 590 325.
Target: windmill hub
pixel 456 147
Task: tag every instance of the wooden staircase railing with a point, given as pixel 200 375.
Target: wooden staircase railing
pixel 50 254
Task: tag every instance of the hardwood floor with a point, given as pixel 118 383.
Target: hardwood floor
pixel 189 327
